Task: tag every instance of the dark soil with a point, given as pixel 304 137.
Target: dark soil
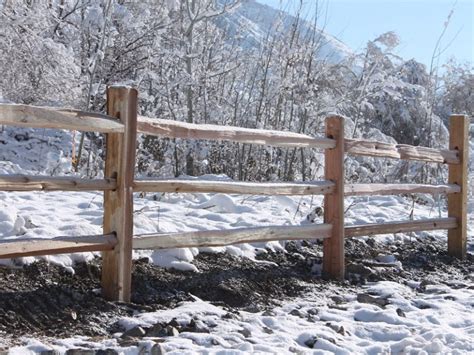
pixel 46 300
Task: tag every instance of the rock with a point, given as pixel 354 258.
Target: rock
pixel 80 351
pixel 44 352
pixel 174 323
pixel 359 269
pixel 370 242
pixel 269 313
pixel 245 332
pixel 310 342
pixel 425 283
pixel 313 311
pixel 230 315
pixel 20 137
pixel 334 306
pixel 401 313
pixel 337 299
pixel 135 332
pixel 267 330
pixel 172 331
pixel 157 349
pixel 296 313
pixel 128 342
pixel 196 327
pixel 106 352
pixel 253 308
pixel 156 330
pixel 422 305
pixel 365 298
pixel 337 328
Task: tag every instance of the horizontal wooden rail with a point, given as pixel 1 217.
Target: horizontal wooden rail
pixel 214 238
pixel 176 129
pixel 234 187
pixel 394 189
pixel 60 245
pixel 400 151
pixel 49 183
pixel 400 227
pixel 57 118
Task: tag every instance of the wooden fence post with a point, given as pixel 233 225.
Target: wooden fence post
pixel 333 253
pixel 118 204
pixel 458 174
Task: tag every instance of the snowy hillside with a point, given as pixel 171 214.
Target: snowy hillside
pixel 260 20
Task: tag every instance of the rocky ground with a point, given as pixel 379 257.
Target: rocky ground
pixel 41 300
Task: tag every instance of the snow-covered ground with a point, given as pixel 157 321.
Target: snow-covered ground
pixel 446 325
pixel 443 325
pixel 438 320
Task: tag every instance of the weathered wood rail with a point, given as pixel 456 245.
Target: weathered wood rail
pixel 121 125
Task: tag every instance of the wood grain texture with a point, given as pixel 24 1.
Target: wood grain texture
pixel 234 187
pixel 49 183
pixel 458 174
pixel 59 245
pixel 214 238
pixel 395 189
pixel 400 227
pixel 57 118
pixel 176 129
pixel 333 248
pixel 118 204
pixel 400 151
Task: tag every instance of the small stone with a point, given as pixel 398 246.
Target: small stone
pixel 196 327
pixel 337 328
pixel 401 313
pixel 229 315
pixel 155 330
pixel 80 352
pixel 313 311
pixel 157 349
pixel 172 331
pixel 310 342
pixel 337 299
pixel 135 332
pixel 174 323
pixel 371 242
pixel 269 313
pixel 379 301
pixel 359 269
pixel 214 341
pixel 106 352
pixel 335 306
pixel 296 313
pixel 245 332
pixel 267 330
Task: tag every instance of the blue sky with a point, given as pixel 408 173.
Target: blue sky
pixel 419 23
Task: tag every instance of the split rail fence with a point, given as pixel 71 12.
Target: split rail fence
pixel 121 125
